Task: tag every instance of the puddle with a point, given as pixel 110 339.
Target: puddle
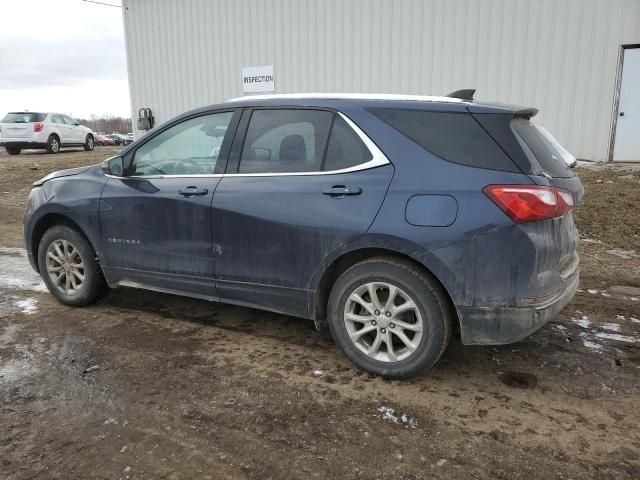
pixel 15 275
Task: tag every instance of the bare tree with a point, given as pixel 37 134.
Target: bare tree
pixel 108 124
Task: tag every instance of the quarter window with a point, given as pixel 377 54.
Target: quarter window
pixel 345 147
pixel 279 141
pixel 191 147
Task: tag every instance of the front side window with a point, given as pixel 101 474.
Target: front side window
pixel 279 141
pixel 55 118
pixel 68 120
pixel 191 147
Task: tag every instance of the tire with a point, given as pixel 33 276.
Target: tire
pixel 432 313
pixel 53 144
pixel 89 143
pixel 13 150
pixel 56 241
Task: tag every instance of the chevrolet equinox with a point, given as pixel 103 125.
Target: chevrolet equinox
pixel 388 220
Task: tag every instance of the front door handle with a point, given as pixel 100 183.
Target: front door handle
pixel 339 191
pixel 193 191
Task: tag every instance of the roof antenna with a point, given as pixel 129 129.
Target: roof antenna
pixel 465 94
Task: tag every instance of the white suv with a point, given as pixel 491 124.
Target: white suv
pixel 50 131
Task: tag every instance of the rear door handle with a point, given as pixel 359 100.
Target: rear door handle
pixel 339 191
pixel 193 191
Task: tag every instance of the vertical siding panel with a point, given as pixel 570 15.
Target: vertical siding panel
pixel 558 55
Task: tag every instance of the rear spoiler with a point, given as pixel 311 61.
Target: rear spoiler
pixel 497 107
pixel 515 110
pixel 465 94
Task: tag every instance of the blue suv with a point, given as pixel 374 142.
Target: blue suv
pixel 390 221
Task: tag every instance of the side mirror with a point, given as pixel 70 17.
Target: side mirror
pixel 76 123
pixel 113 166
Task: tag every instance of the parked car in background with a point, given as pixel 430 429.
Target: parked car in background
pixel 117 138
pixel 37 130
pixel 104 140
pixel 391 221
pixel 130 136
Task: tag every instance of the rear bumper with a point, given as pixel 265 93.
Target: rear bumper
pixel 22 144
pixel 499 326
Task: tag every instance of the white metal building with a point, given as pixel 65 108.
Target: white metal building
pixel 578 61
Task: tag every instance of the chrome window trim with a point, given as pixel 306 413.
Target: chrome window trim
pixel 378 159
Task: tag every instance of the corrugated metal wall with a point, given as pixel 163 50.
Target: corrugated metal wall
pixel 559 55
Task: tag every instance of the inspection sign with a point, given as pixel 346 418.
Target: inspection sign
pixel 258 79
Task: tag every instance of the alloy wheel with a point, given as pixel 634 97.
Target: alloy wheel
pixel 383 321
pixel 65 267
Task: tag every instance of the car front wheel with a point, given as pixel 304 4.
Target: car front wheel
pixel 89 143
pixel 69 267
pixel 389 317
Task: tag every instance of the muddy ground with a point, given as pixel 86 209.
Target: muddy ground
pixel 147 385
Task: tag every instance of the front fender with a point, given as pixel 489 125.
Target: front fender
pixel 75 198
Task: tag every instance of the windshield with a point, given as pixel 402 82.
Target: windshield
pixel 23 117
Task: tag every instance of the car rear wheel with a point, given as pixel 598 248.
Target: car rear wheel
pixel 69 267
pixel 13 151
pixel 89 143
pixel 389 318
pixel 53 144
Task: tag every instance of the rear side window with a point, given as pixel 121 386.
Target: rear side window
pixel 547 155
pixel 23 117
pixel 282 140
pixel 455 137
pixel 345 148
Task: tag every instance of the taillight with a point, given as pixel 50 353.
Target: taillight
pixel 37 127
pixel 530 203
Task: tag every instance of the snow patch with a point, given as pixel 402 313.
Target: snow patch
pixel 27 306
pixel 590 344
pixel 583 322
pixel 614 327
pixel 617 337
pixel 389 414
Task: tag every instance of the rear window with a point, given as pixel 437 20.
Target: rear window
pixel 548 156
pixel 456 137
pixel 23 117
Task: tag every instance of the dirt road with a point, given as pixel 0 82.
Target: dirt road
pixel 147 385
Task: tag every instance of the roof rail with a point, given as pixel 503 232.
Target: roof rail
pixel 465 94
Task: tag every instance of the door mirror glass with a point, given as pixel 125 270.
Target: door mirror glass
pixel 113 166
